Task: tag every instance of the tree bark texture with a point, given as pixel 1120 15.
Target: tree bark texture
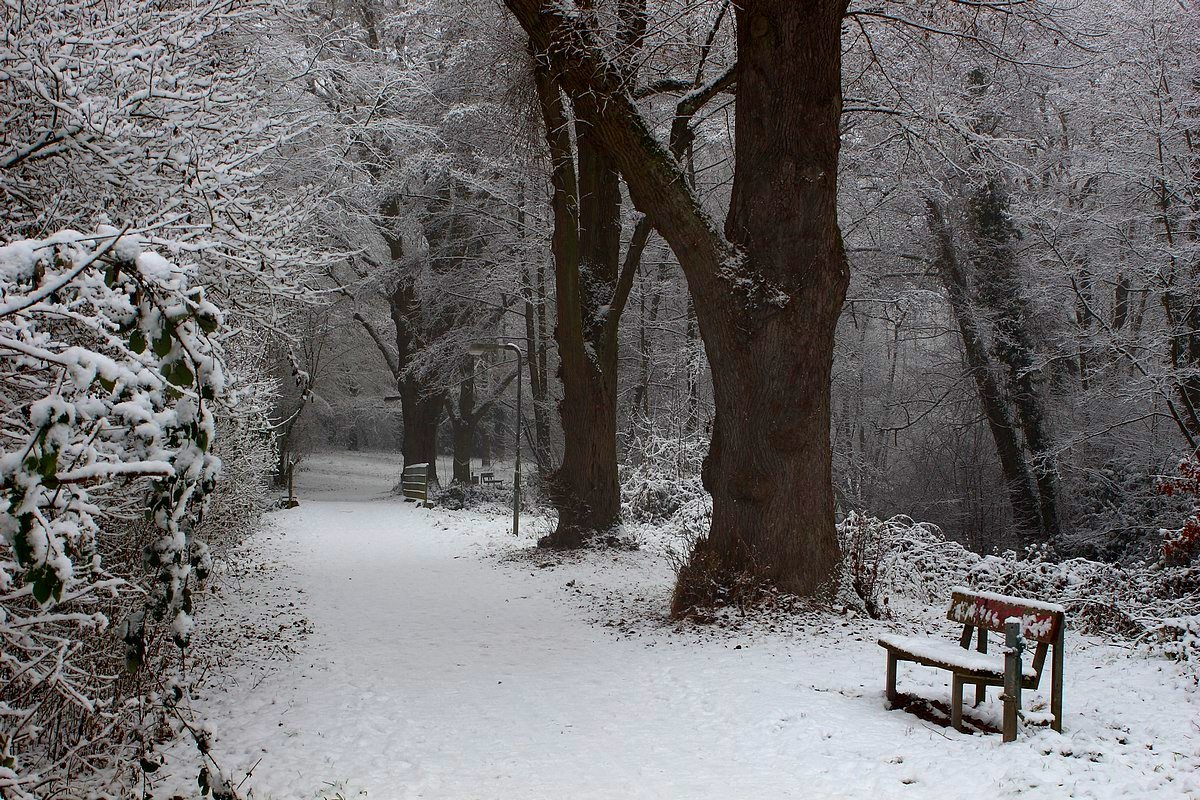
pixel 421 407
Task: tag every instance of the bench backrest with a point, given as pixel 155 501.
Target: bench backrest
pixel 415 481
pixel 1040 622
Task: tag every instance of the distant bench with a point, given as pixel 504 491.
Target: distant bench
pixel 984 611
pixel 414 483
pixel 490 479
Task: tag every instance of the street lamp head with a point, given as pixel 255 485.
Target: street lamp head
pixel 483 348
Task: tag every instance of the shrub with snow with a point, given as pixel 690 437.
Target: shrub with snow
pixel 1182 546
pixel 459 496
pixel 896 558
pixel 662 477
pixel 112 368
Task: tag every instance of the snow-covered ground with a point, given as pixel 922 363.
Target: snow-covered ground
pixel 446 660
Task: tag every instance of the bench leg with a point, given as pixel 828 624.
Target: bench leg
pixel 1056 686
pixel 981 687
pixel 1012 680
pixel 890 690
pixel 956 702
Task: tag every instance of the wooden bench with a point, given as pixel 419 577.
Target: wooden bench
pixel 414 483
pixel 983 612
pixel 490 479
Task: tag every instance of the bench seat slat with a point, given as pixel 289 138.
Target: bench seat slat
pixel 948 655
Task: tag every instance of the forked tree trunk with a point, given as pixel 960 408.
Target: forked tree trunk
pixel 485 446
pixel 1001 293
pixel 463 424
pixel 422 413
pixel 767 294
pixel 1018 475
pixel 465 419
pixel 586 245
pixel 463 434
pixel 421 408
pixel 533 292
pixel 588 273
pixel 692 413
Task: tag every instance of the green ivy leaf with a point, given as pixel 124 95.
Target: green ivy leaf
pixel 207 322
pixel 48 464
pixel 21 546
pixel 137 342
pixel 46 583
pixel 162 345
pixel 180 374
pixel 204 781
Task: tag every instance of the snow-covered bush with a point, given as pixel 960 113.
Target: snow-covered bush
pixel 156 114
pixel 111 367
pixel 897 558
pixel 1182 546
pixel 662 476
pixel 458 496
pixel 244 445
pixel 1118 510
pixel 163 120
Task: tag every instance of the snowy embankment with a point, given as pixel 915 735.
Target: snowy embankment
pixel 446 660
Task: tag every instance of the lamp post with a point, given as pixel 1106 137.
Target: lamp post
pixel 479 349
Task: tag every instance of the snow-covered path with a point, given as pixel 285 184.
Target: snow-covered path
pixel 444 662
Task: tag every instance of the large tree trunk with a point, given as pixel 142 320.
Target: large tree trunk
pixel 464 420
pixel 771 348
pixel 692 338
pixel 485 446
pixel 463 432
pixel 421 407
pixel 422 413
pixel 463 424
pixel 767 297
pixel 533 292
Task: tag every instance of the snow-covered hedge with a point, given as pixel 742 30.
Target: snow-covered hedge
pixel 897 558
pixel 457 496
pixel 111 368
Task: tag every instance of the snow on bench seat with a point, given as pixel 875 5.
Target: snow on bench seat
pixel 948 655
